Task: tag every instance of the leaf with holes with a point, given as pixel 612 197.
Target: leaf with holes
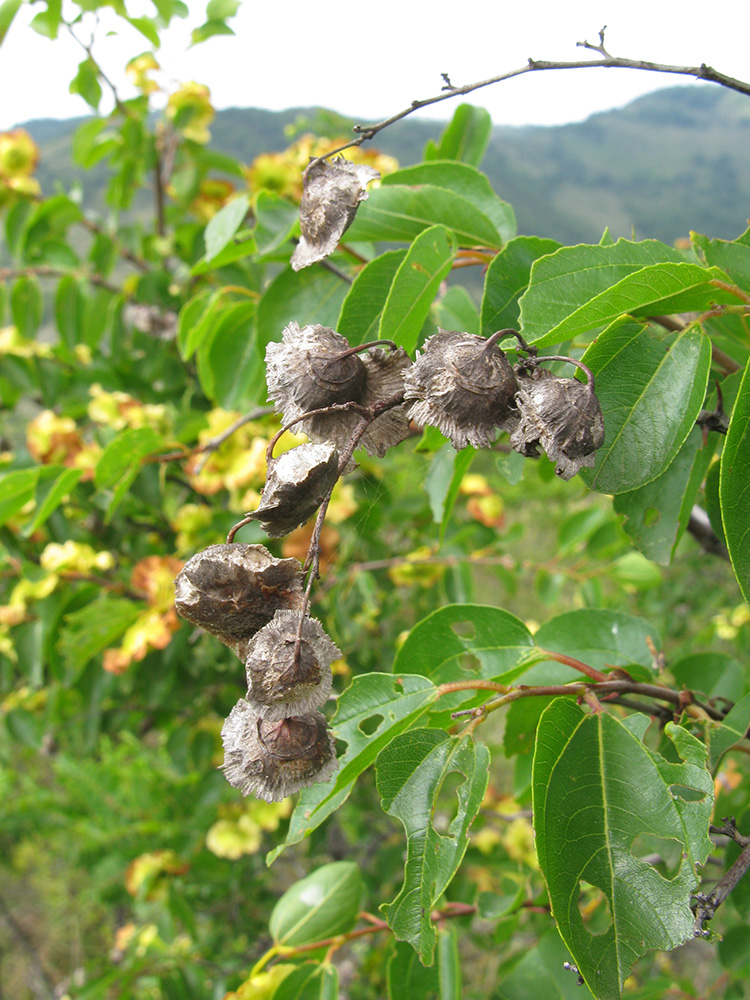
pixel 596 789
pixel 410 773
pixel 372 710
pixel 464 642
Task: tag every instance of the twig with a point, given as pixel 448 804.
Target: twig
pixel 705 905
pixel 702 72
pixel 93 227
pixel 213 443
pixel 46 271
pixel 88 49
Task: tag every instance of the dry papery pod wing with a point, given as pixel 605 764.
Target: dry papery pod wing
pixel 464 385
pixel 232 591
pixel 563 415
pixel 280 684
pixel 274 759
pixel 310 369
pixel 296 484
pixel 330 198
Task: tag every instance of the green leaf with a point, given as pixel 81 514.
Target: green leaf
pixel 196 320
pixel 372 710
pixel 464 180
pixel 465 138
pixel 26 306
pixel 230 370
pixel 361 310
pixel 732 257
pixel 661 288
pixel 121 462
pixel 463 642
pixel 208 30
pixel 322 905
pixel 407 977
pixel 397 213
pixel 596 788
pixel 601 638
pixel 651 385
pixel 16 489
pixel 734 486
pixel 562 281
pixel 456 311
pixel 442 482
pixel 49 495
pixel 220 10
pixel 731 730
pixel 8 10
pixel 653 514
pixel 410 773
pixel 313 295
pixel 714 674
pixel 222 227
pixel 541 973
pixel 507 279
pixel 275 221
pixel 415 285
pixel 96 627
pixel 86 83
pixel 309 981
pixel 47 22
pixel 147 28
pixel 69 310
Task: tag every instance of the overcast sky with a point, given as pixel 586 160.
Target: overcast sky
pixel 369 60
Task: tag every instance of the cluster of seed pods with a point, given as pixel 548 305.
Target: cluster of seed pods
pixel 276 741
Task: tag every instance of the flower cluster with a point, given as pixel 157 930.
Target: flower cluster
pixel 275 740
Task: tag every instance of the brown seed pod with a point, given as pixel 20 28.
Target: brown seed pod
pixel 280 685
pixel 308 371
pixel 274 759
pixel 232 591
pixel 464 386
pixel 562 415
pixel 296 484
pixel 332 192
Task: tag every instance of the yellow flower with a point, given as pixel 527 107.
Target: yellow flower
pixel 19 154
pixel 75 556
pixel 417 570
pixel 190 111
pixel 213 194
pixel 146 877
pixel 11 342
pixel 137 69
pixel 53 440
pixel 119 410
pixel 227 839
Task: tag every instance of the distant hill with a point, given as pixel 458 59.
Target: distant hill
pixel 673 160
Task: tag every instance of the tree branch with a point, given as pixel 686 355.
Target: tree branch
pixel 702 72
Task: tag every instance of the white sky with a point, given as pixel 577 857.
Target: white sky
pixel 370 60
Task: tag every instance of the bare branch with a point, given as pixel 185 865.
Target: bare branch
pixel 702 72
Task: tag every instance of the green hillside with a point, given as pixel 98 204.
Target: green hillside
pixel 671 160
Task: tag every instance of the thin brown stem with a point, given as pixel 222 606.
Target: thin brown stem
pixel 46 271
pixel 702 72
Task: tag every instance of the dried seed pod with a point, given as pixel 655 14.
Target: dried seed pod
pixel 297 483
pixel 332 193
pixel 308 371
pixel 232 591
pixel 464 386
pixel 274 759
pixel 280 685
pixel 564 417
